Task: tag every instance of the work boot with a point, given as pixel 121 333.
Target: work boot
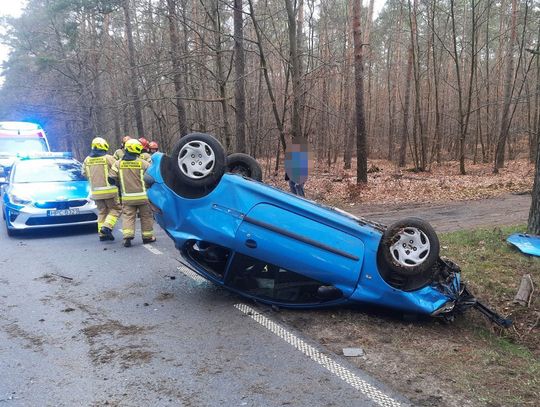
pixel 127 242
pixel 103 238
pixel 149 239
pixel 107 232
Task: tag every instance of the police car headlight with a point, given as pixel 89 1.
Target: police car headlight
pixel 20 200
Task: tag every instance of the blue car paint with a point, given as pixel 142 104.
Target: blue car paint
pixel 221 217
pixel 528 244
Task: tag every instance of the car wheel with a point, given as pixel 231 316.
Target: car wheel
pixel 200 160
pixel 186 178
pixel 410 247
pixel 244 164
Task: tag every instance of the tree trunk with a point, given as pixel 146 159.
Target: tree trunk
pixel 361 137
pixel 239 88
pixel 176 64
pixel 133 71
pixel 294 63
pixel 264 67
pixel 505 119
pixel 406 107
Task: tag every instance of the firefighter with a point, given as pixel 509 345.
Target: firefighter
pixel 153 147
pixel 144 154
pixel 118 154
pixel 96 168
pixel 130 170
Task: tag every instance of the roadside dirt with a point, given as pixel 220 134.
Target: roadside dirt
pixel 433 364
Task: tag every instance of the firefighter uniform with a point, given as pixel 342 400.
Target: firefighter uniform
pixel 146 156
pixel 96 168
pixel 129 171
pixel 118 154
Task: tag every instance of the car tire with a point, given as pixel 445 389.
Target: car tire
pixel 244 164
pixel 189 179
pixel 200 160
pixel 410 247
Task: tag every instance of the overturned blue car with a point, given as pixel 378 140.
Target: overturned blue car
pixel 280 249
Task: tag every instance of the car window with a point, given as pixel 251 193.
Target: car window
pixel 267 281
pixel 212 257
pixel 47 171
pixel 14 145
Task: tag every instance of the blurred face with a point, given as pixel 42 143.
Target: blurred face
pixel 297 162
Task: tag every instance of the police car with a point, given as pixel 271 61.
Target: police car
pixel 46 190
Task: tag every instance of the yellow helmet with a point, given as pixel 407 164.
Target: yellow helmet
pixel 100 144
pixel 134 146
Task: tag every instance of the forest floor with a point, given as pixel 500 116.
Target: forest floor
pixel 469 362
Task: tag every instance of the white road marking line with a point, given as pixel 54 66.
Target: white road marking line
pixel 334 367
pixel 191 274
pixel 151 249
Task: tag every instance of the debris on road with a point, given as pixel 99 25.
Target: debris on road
pixel 61 276
pixel 353 352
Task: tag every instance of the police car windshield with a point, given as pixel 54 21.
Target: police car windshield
pixel 14 145
pixel 47 170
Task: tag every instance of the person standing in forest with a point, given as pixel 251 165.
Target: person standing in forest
pixel 296 167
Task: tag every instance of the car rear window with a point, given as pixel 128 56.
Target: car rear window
pixel 47 171
pixel 14 145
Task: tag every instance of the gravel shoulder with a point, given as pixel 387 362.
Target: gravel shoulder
pixel 509 209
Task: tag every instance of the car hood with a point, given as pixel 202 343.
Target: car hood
pixel 51 191
pixel 6 160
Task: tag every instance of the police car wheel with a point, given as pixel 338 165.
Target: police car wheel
pixel 244 164
pixel 198 163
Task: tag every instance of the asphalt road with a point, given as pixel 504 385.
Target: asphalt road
pixel 86 323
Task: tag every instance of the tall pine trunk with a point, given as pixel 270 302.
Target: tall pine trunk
pixel 361 137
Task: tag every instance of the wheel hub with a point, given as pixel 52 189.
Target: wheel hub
pixel 196 160
pixel 411 247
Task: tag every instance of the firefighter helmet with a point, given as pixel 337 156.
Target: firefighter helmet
pixel 134 146
pixel 144 142
pixel 100 143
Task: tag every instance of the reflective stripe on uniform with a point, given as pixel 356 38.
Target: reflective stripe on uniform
pixel 148 234
pixel 134 197
pixel 128 232
pixel 107 188
pixel 104 190
pixel 132 165
pixel 111 220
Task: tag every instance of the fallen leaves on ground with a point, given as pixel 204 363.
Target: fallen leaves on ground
pixel 389 184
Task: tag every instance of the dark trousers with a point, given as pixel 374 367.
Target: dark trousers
pixel 297 189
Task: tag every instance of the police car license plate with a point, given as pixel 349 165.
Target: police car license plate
pixel 63 212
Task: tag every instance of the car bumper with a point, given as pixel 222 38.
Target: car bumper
pixel 30 217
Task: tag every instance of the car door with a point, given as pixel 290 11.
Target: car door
pixel 284 240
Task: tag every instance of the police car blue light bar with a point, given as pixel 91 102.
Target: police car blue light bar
pixel 22 126
pixel 48 154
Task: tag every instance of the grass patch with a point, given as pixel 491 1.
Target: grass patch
pixel 491 266
pixel 508 363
